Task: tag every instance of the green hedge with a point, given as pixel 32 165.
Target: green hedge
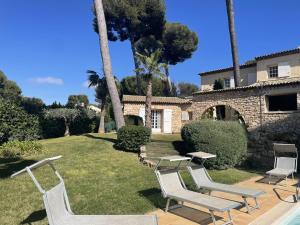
pixel 226 139
pixel 14 149
pixel 16 124
pixel 133 120
pixel 86 122
pixel 131 137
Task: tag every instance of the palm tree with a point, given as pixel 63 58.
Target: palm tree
pixel 111 85
pixel 150 66
pixel 102 95
pixel 234 49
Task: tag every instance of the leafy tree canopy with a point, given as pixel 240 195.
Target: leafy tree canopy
pixel 186 89
pixel 179 42
pixel 77 101
pixel 133 19
pixel 219 84
pixel 62 113
pixel 16 124
pixel 9 90
pixel 55 105
pixel 129 87
pixel 32 105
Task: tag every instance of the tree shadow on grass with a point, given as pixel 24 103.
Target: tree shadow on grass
pixel 180 147
pixel 8 166
pixel 101 138
pixel 34 217
pixel 154 196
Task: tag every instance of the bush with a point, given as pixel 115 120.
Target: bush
pixel 52 128
pixel 131 137
pixel 110 126
pixel 86 122
pixel 226 139
pixel 133 120
pixel 16 124
pixel 15 149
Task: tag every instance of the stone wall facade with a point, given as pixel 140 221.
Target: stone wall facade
pixel 177 123
pixel 264 127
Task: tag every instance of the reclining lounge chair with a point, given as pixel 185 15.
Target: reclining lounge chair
pixel 204 181
pixel 58 208
pixel 173 187
pixel 284 166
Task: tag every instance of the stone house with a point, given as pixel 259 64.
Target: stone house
pixel 267 101
pixel 271 67
pixel 168 113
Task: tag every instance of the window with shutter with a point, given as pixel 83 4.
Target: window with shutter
pixel 284 69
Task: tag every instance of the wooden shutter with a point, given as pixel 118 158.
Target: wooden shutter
pixel 142 114
pixel 284 69
pixel 184 115
pixel 167 114
pixel 251 78
pixel 232 82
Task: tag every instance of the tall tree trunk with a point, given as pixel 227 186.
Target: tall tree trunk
pixel 234 48
pixel 112 88
pixel 67 126
pixel 101 129
pixel 148 122
pixel 168 82
pixel 136 66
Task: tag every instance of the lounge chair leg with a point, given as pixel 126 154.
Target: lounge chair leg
pixel 286 182
pixel 269 178
pixel 167 206
pixel 247 205
pixel 230 218
pixel 293 176
pixel 256 203
pixel 213 217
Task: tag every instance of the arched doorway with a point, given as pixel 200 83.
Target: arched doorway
pixel 223 112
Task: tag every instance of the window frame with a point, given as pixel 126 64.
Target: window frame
pixel 273 74
pixel 267 101
pixel 227 79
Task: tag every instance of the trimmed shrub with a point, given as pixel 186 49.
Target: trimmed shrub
pixel 16 149
pixel 133 120
pixel 131 137
pixel 226 139
pixel 16 124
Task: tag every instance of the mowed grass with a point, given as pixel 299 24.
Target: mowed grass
pixel 98 178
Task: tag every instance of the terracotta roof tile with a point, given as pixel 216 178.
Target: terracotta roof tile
pixel 155 99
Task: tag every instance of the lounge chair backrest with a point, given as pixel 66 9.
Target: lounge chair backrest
pixel 281 162
pixel 286 163
pixel 55 201
pixel 199 175
pixel 281 148
pixel 169 181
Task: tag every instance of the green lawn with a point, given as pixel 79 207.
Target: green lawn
pixel 99 180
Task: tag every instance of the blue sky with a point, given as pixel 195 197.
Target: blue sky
pixel 47 46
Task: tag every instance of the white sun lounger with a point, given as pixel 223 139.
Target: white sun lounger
pixel 204 181
pixel 284 166
pixel 173 187
pixel 58 207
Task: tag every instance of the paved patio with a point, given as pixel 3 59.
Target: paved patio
pixel 192 215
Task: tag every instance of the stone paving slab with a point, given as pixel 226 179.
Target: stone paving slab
pixel 192 215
